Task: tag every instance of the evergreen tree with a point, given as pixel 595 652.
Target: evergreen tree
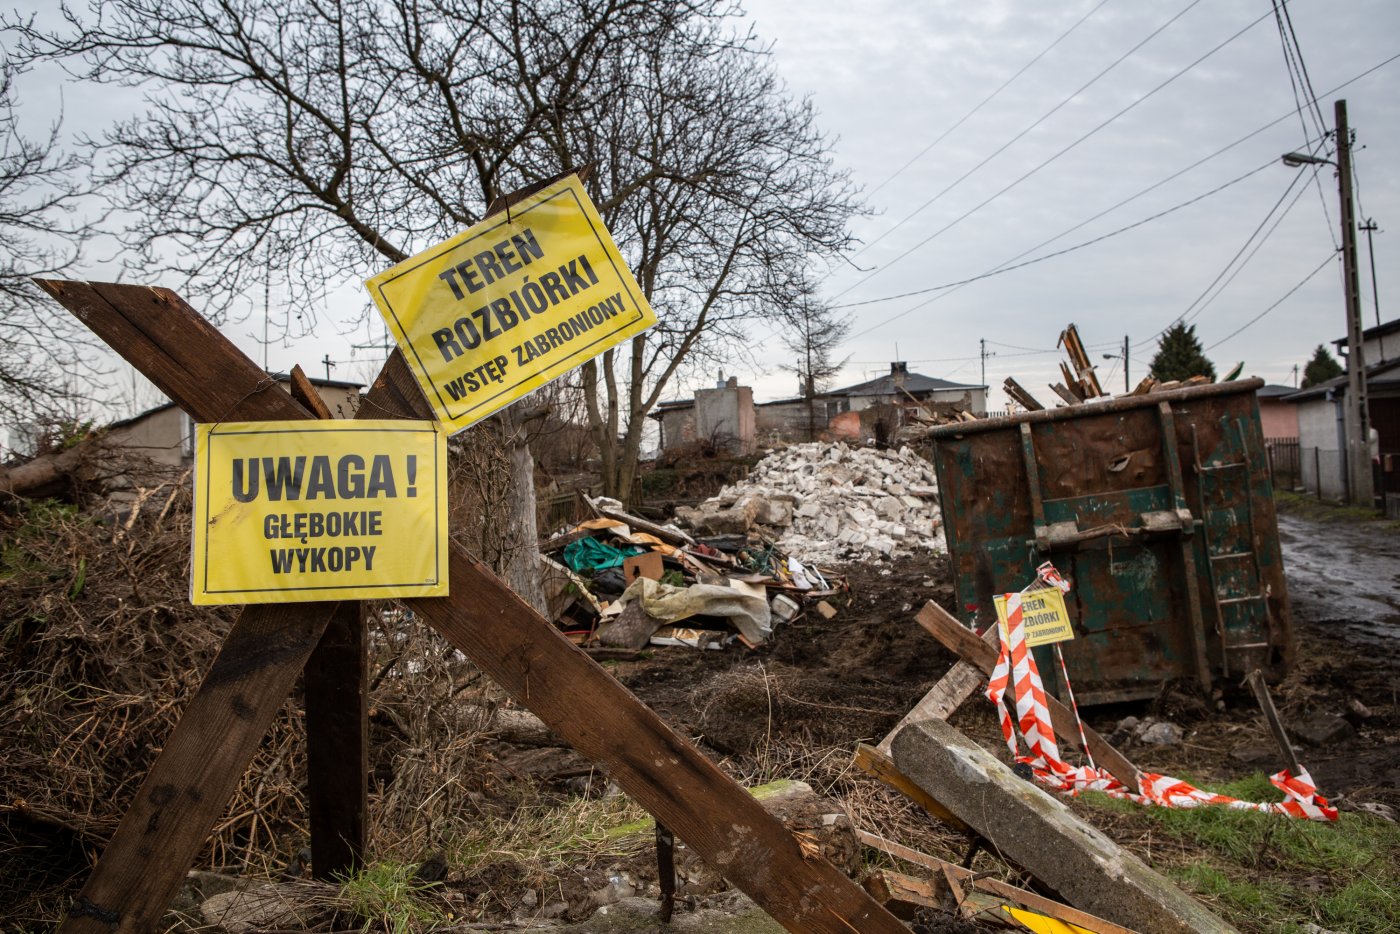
pixel 1179 355
pixel 1321 368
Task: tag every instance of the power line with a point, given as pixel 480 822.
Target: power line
pixel 1302 66
pixel 1330 258
pixel 945 228
pixel 944 294
pixel 1004 268
pixel 1187 314
pixel 985 101
pixel 1293 64
pixel 1245 262
pixel 1013 140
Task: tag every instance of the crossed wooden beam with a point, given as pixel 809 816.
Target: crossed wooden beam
pixel 199 768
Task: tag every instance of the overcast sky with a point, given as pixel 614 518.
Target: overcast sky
pixel 891 79
pixel 968 166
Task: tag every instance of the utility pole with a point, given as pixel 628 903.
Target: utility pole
pixel 1370 228
pixel 1126 387
pixel 329 363
pixel 985 355
pixel 1357 421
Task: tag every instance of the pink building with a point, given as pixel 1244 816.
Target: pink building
pixel 1278 419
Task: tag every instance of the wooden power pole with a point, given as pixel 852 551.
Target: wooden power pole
pixel 1357 421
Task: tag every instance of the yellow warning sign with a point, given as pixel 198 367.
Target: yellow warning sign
pixel 319 510
pixel 511 304
pixel 1043 615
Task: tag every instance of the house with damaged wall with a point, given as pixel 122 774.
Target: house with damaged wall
pixel 726 417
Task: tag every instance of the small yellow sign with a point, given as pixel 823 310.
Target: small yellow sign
pixel 319 510
pixel 516 301
pixel 1043 614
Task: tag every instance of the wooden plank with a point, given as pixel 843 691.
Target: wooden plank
pixel 1069 397
pixel 908 854
pixel 527 656
pixel 337 744
pixel 969 646
pixel 304 391
pixel 1266 704
pixel 199 767
pixel 1012 893
pixel 960 683
pixel 880 766
pixel 901 894
pixel 1018 392
pixel 337 721
pixel 638 524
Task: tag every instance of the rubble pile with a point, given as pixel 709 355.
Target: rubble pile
pixel 829 502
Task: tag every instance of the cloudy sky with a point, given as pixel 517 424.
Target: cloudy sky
pixel 967 172
pixel 994 133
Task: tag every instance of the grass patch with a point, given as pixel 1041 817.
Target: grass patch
pixel 536 834
pixel 1316 510
pixel 385 895
pixel 1264 872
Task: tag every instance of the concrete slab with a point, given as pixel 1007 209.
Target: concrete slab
pixel 1035 830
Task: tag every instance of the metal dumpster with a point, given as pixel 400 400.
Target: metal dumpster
pixel 1158 508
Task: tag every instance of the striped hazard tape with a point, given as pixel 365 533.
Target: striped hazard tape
pixel 1016 670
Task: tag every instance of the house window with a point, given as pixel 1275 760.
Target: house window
pixel 836 406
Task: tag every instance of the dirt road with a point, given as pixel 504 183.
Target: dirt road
pixel 1344 576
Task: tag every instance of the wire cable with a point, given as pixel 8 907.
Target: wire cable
pixel 1293 64
pixel 1230 264
pixel 1013 140
pixel 984 102
pixel 1009 267
pixel 1245 262
pixel 960 218
pixel 944 294
pixel 1331 257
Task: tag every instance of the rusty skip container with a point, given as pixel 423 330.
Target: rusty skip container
pixel 1159 510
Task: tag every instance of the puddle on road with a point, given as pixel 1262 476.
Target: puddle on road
pixel 1344 575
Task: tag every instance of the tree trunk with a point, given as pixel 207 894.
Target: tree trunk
pixel 522 570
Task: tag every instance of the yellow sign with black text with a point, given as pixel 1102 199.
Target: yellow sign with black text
pixel 319 510
pixel 509 305
pixel 1043 615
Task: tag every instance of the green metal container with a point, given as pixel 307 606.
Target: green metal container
pixel 1157 508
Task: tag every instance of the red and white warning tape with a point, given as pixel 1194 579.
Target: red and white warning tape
pixel 1016 669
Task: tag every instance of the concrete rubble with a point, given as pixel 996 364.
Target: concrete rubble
pixel 830 502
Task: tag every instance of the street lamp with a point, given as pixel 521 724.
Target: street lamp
pixel 1359 479
pixel 1295 159
pixel 1124 357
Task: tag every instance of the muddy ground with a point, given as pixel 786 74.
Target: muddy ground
pixel 797 706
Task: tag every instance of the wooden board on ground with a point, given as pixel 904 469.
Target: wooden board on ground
pixel 1011 893
pixel 880 766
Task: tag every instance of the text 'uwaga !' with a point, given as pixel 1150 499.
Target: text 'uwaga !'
pixel 510 304
pixel 319 510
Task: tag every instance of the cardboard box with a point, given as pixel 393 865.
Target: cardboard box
pixel 647 564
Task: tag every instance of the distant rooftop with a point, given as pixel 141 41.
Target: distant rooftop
pixel 899 378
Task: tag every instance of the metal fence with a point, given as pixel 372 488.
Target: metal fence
pixel 1285 463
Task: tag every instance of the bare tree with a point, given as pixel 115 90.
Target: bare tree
pixel 811 331
pixel 328 138
pixel 740 199
pixel 42 355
